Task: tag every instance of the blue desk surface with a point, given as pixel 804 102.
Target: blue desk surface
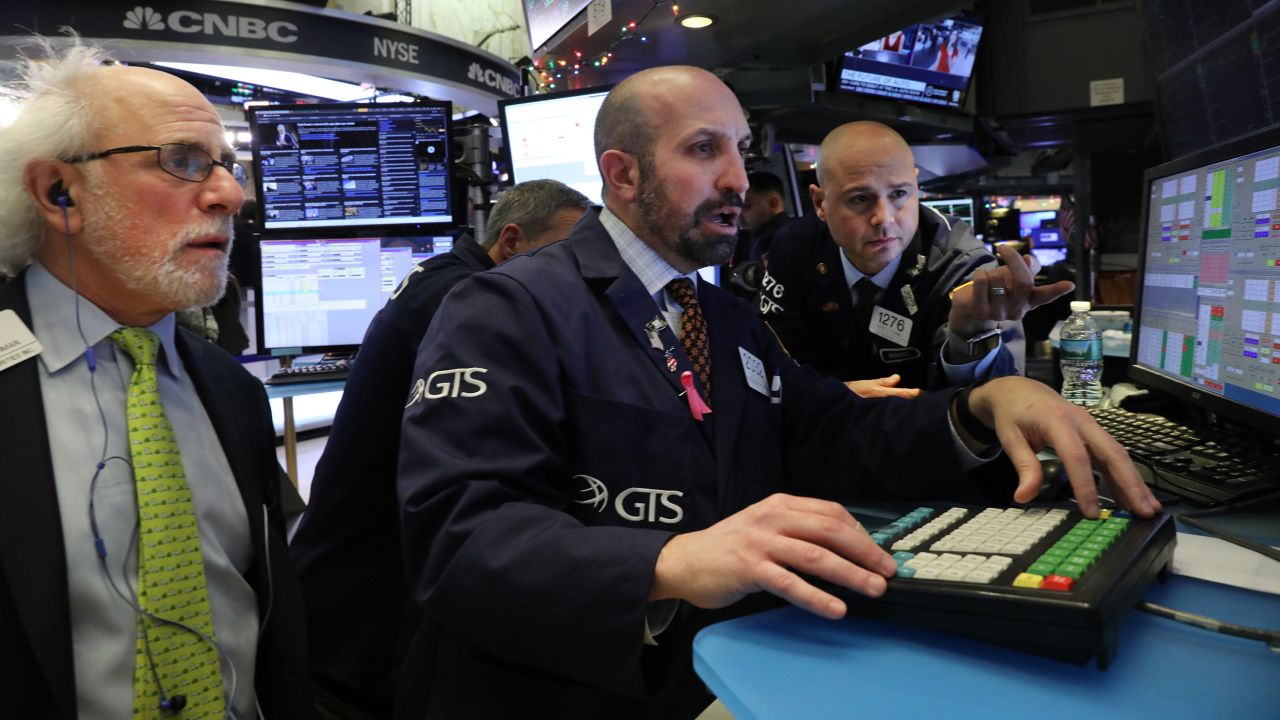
pixel 790 664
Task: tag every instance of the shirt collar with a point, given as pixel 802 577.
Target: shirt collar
pixel 881 279
pixel 654 272
pixel 53 320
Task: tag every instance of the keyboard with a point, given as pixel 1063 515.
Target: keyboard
pixel 312 372
pixel 1213 466
pixel 1046 581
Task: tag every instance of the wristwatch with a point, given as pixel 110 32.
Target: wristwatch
pixel 978 345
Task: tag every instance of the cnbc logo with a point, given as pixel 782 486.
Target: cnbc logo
pixel 493 79
pixel 211 24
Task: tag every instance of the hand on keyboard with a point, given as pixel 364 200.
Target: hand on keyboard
pixel 1028 415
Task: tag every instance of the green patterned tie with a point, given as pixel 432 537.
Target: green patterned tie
pixel 171 582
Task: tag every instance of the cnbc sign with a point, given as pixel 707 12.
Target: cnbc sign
pixel 228 26
pixel 209 23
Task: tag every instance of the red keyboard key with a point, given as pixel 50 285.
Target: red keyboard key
pixel 1057 582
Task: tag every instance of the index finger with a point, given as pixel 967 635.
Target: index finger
pixel 1018 270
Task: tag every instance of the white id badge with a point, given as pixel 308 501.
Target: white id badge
pixel 891 326
pixel 754 370
pixel 16 341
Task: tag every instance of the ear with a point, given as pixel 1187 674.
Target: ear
pixel 818 196
pixel 776 204
pixel 621 175
pixel 38 178
pixel 509 240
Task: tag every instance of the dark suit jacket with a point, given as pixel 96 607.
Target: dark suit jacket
pixel 548 454
pixel 35 629
pixel 360 614
pixel 804 298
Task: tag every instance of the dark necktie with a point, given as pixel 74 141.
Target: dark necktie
pixel 865 292
pixel 693 331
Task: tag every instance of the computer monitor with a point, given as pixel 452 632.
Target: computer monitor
pixel 960 207
pixel 1030 223
pixel 928 63
pixel 1207 318
pixel 320 294
pixel 552 137
pixel 353 165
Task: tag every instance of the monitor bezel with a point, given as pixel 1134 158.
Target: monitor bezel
pixel 259 307
pixel 1184 391
pixel 530 99
pixel 407 227
pixel 833 83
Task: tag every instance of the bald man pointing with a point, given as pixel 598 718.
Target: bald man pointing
pixel 867 295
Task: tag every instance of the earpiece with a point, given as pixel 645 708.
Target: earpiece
pixel 59 196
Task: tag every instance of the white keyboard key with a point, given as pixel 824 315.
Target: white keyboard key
pixel 980 575
pixel 955 574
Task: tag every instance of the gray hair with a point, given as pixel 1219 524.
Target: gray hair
pixel 532 205
pixel 54 121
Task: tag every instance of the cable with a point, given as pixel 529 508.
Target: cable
pixel 99 545
pixel 1270 637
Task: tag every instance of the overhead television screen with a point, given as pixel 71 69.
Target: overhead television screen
pixel 350 165
pixel 926 63
pixel 544 18
pixel 551 137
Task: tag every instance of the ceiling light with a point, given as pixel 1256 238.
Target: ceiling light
pixel 696 22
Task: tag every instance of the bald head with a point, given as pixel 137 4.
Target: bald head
pixel 626 118
pixel 867 193
pixel 121 96
pixel 864 142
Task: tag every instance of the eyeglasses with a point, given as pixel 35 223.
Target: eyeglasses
pixel 185 162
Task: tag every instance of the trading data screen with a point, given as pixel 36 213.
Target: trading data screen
pixel 323 292
pixel 352 165
pixel 1210 313
pixel 551 138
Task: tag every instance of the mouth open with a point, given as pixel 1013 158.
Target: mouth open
pixel 725 218
pixel 214 243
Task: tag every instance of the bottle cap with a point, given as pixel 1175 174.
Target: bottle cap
pixel 1080 306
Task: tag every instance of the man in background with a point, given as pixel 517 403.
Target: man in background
pixel 876 293
pixel 143 569
pixel 764 212
pixel 360 615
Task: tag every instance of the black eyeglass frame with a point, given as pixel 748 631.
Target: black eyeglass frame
pixel 226 160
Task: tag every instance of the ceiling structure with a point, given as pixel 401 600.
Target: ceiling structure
pixel 772 54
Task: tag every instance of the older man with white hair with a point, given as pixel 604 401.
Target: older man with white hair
pixel 141 547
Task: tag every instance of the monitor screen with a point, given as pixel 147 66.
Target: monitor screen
pixel 1030 222
pixel 319 294
pixel 544 18
pixel 1208 313
pixel 352 165
pixel 926 63
pixel 552 137
pixel 961 207
pixel 1046 238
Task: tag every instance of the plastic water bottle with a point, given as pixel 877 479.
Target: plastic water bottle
pixel 1081 357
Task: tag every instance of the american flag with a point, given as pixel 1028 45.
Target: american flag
pixel 1067 221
